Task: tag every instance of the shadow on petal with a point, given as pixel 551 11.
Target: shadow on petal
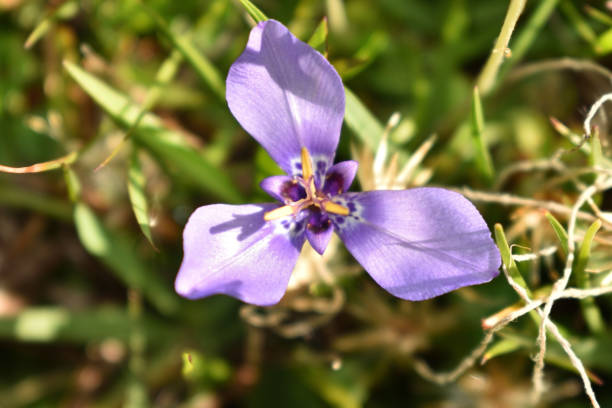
pixel 248 224
pixel 230 249
pixel 287 96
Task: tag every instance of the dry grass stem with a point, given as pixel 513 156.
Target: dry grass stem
pixel 509 199
pixel 558 287
pixel 593 111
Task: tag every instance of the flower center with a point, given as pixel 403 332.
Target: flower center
pixel 314 196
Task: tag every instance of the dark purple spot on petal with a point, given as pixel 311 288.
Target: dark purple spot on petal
pixel 351 207
pixel 298 166
pixel 333 184
pixel 292 191
pixel 318 221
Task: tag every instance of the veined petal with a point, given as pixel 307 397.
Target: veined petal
pixel 287 96
pixel 340 177
pixel 319 229
pixel 418 243
pixel 283 188
pixel 230 249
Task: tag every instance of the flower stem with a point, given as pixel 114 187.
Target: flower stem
pixel 487 76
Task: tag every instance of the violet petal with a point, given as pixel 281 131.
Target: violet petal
pixel 340 177
pixel 230 249
pixel 418 243
pixel 287 96
pixel 319 229
pixel 283 188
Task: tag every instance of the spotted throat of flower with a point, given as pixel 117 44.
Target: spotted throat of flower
pixel 305 189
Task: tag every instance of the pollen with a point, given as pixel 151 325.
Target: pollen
pixel 279 212
pixel 334 208
pixel 307 172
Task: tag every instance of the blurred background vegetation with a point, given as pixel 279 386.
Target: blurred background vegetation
pixel 129 96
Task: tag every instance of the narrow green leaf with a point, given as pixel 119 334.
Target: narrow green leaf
pixel 164 143
pixel 598 15
pixel 506 254
pixel 51 324
pixel 483 159
pixel 117 252
pixel 596 157
pixel 584 253
pixel 527 34
pixel 501 347
pixel 137 395
pixel 554 354
pixel 361 121
pixel 253 11
pixel 138 197
pixel 42 204
pixel 591 312
pixel 318 40
pixel 375 45
pixel 581 27
pixel 200 368
pixel 65 11
pixel 165 73
pixel 203 67
pixel 73 184
pixel 559 231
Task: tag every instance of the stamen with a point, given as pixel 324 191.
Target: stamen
pixel 306 165
pixel 279 212
pixel 334 208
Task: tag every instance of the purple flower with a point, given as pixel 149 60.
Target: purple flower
pixel 416 243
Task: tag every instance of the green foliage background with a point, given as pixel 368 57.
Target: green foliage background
pixel 88 254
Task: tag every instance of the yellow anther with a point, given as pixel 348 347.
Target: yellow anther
pixel 279 212
pixel 306 165
pixel 334 208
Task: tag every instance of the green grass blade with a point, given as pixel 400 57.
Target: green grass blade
pixel 559 231
pixel 483 159
pixel 117 252
pixel 11 196
pixel 73 185
pixel 253 11
pixel 361 121
pixel 49 324
pixel 598 15
pixel 318 40
pixel 203 67
pixel 164 143
pixel 596 157
pixel 138 198
pixel 65 11
pixel 591 312
pixel 603 45
pixel 527 34
pixel 164 75
pixel 580 26
pixel 501 347
pixel 375 45
pixel 506 254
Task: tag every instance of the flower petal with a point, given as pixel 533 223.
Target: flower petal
pixel 418 243
pixel 283 188
pixel 230 249
pixel 340 177
pixel 319 229
pixel 287 96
